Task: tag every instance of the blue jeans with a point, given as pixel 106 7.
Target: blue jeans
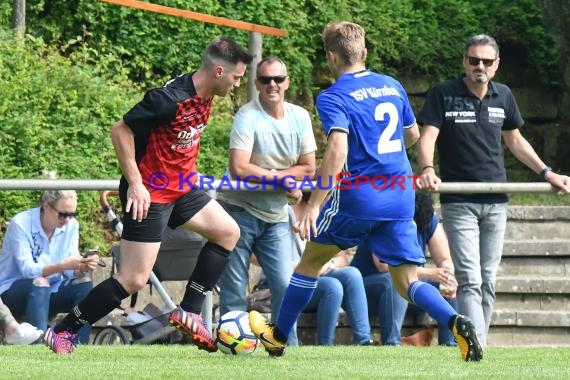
pixel 384 301
pixel 273 247
pixel 38 305
pixel 340 287
pixel 476 232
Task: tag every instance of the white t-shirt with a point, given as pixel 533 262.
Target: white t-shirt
pixel 274 144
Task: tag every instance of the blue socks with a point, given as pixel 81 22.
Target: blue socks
pixel 428 298
pixel 297 296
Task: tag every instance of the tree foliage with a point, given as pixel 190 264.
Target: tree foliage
pixel 403 36
pixel 55 116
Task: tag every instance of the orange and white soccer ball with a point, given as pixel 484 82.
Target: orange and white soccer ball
pixel 233 334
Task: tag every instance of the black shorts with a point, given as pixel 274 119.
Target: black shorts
pixel 174 214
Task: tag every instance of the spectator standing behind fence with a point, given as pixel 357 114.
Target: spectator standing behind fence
pixel 14 332
pixel 369 123
pixel 41 270
pixel 157 143
pixel 466 117
pixel 382 298
pixel 272 140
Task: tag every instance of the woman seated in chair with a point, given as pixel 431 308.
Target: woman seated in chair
pixel 41 270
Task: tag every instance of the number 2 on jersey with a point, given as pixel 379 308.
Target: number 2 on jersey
pixel 385 143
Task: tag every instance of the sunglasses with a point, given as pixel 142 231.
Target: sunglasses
pixel 474 61
pixel 277 79
pixel 64 215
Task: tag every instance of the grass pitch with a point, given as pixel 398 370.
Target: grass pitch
pixel 299 363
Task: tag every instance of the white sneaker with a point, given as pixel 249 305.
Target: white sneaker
pixel 25 334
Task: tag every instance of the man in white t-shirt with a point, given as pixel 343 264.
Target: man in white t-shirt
pixel 272 144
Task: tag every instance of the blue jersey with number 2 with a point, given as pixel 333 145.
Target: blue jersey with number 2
pixel 376 182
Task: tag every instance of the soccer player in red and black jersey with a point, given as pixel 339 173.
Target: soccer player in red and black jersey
pixel 157 143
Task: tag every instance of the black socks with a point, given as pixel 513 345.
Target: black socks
pixel 209 267
pixel 99 302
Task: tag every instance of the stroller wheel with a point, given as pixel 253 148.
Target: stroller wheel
pixel 112 335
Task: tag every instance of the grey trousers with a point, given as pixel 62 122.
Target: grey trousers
pixel 476 233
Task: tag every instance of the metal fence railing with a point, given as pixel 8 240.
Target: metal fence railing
pixel 110 184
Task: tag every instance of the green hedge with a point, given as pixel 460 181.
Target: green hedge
pixel 56 116
pixel 404 36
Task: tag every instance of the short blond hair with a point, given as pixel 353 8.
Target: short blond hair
pixel 347 39
pixel 52 196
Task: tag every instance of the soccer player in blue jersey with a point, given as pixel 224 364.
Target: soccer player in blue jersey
pixel 369 123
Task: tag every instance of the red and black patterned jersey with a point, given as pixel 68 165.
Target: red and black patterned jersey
pixel 168 124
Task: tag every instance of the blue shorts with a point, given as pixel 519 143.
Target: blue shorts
pixel 394 242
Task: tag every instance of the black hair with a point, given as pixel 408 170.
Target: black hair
pixel 424 211
pixel 225 50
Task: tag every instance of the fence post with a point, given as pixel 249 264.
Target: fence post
pixel 255 49
pixel 19 18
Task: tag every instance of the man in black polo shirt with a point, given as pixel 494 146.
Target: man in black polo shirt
pixel 466 118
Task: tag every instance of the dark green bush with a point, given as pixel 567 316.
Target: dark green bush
pixel 56 116
pixel 404 36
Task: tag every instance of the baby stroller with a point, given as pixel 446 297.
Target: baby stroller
pixel 176 259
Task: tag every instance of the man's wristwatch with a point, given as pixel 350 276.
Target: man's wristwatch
pixel 544 171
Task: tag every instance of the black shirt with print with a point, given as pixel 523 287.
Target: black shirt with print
pixel 469 141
